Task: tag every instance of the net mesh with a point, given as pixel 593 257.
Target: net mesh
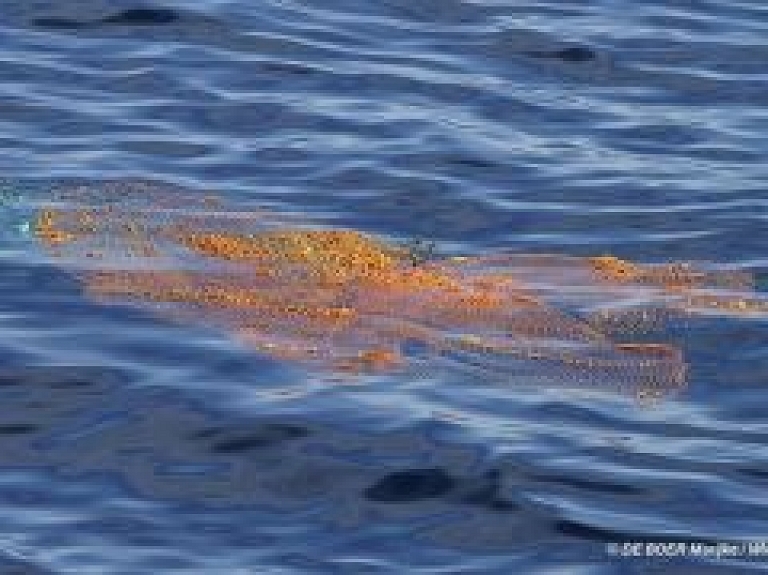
pixel 346 300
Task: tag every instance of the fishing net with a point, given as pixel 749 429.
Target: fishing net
pixel 345 300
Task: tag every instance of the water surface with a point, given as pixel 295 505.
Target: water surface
pixel 131 444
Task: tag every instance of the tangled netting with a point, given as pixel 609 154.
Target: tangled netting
pixel 348 301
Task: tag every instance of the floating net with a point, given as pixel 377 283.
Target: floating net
pixel 346 300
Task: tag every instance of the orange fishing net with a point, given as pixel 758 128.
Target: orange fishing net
pixel 346 300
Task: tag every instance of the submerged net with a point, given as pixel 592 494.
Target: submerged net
pixel 346 300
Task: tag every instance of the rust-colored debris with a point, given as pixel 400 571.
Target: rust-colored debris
pixel 349 301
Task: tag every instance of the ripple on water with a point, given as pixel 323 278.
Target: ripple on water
pixel 131 445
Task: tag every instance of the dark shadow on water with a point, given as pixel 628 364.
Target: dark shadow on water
pixel 415 485
pixel 128 17
pixel 411 485
pixel 17 428
pixel 59 23
pixel 239 440
pixel 573 54
pixel 142 17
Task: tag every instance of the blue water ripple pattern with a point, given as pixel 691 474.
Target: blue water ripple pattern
pixel 129 444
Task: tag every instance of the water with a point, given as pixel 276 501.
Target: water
pixel 132 445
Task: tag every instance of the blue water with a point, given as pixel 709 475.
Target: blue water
pixel 132 445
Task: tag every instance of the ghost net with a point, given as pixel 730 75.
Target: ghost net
pixel 345 300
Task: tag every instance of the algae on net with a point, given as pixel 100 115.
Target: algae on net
pixel 346 300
